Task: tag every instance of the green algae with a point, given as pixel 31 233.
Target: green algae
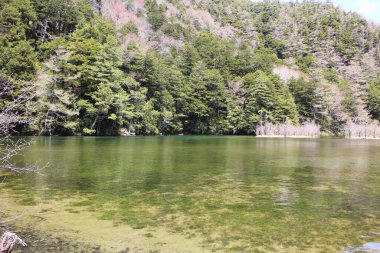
pixel 237 194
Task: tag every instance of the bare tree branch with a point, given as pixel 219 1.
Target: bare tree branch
pixel 13 114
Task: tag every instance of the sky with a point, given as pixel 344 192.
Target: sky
pixel 370 9
pixel 367 8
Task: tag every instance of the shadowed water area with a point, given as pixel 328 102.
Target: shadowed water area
pixel 197 194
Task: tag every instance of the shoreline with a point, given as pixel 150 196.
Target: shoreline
pixel 362 138
pixel 288 136
pixel 322 135
pixel 40 241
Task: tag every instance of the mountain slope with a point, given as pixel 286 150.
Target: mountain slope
pixel 206 67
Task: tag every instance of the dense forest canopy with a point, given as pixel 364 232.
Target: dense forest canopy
pixel 106 67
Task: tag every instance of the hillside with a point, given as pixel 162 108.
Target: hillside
pixel 193 66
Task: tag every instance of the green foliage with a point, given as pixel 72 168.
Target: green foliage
pixel 260 89
pixel 206 107
pixel 305 62
pixel 348 102
pixel 285 107
pixel 128 28
pixel 50 48
pixel 174 30
pixel 17 15
pixel 214 52
pixel 188 58
pixel 304 96
pixel 61 16
pixel 267 100
pixel 374 98
pixel 19 60
pixel 332 76
pixel 54 110
pixel 184 76
pixel 259 99
pixel 93 70
pixel 156 15
pixel 17 56
pixel 249 62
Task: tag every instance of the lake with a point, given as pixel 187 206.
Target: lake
pixel 197 194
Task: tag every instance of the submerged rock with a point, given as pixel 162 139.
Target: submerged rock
pixel 370 247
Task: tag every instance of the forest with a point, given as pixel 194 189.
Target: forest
pixel 114 67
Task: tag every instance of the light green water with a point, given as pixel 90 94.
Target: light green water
pixel 226 194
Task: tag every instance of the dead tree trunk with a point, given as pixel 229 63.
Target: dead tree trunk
pixel 8 241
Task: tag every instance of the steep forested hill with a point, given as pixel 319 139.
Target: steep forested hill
pixel 103 67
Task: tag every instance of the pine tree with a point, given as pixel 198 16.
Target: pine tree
pixel 259 98
pixel 374 98
pixel 207 104
pixel 54 108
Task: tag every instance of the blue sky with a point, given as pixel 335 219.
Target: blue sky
pixel 367 8
pixel 370 9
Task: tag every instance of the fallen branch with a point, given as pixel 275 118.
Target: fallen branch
pixel 8 241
